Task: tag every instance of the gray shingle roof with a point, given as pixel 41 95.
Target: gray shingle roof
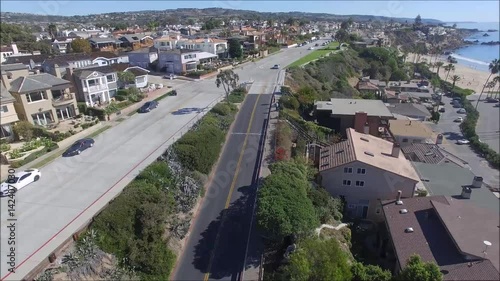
pixel 36 82
pixel 409 109
pixel 63 60
pixel 104 40
pixel 5 95
pixel 351 106
pixel 14 66
pixel 37 59
pixel 448 179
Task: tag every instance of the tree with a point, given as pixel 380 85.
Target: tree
pixel 455 78
pixel 494 69
pixel 439 64
pixel 81 45
pixel 418 21
pixel 284 208
pixel 497 81
pixel 234 48
pixel 126 77
pixel 228 80
pixel 52 30
pixel 416 269
pixel 448 68
pixel 342 36
pixel 24 130
pixel 361 272
pixel 435 116
pixel 152 25
pixel 317 259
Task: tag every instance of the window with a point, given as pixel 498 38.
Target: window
pixel 346 182
pixel 405 140
pixel 111 78
pixel 4 109
pixel 347 170
pixel 36 96
pixel 361 171
pixel 42 118
pixel 360 183
pixel 377 211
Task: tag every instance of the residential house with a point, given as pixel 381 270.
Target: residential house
pixel 85 34
pixel 430 154
pixel 368 116
pixel 411 110
pixel 11 72
pixel 136 41
pixel 96 85
pixel 62 62
pixel 371 86
pixel 62 44
pixel 143 57
pixel 166 43
pixel 43 99
pixel 107 58
pixel 418 90
pixel 105 44
pixel 256 39
pixel 180 61
pixel 12 51
pixel 364 169
pixel 407 132
pixel 8 113
pixel 460 237
pixel 141 76
pixel 32 62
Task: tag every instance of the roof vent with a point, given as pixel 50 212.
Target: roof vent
pixel 369 153
pixel 329 103
pixel 340 151
pixel 429 153
pixel 399 202
pixel 364 139
pixel 409 230
pixel 403 211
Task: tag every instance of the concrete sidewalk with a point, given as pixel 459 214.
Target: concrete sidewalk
pixel 64 144
pixel 252 270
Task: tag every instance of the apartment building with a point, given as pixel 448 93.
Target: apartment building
pixel 42 99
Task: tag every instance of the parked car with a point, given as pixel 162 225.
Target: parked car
pixel 442 109
pixel 148 106
pixel 276 66
pixel 18 181
pixel 311 48
pixel 441 103
pixel 463 141
pixel 459 120
pixel 170 76
pixel 497 105
pixel 173 93
pixel 78 147
pixel 461 111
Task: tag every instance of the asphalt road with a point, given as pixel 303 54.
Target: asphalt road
pixel 451 131
pixel 488 125
pixel 217 243
pixel 71 190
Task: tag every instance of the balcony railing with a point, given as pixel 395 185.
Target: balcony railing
pixel 95 88
pixel 63 99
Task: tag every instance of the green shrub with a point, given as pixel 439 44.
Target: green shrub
pixel 24 130
pixel 4 147
pixel 76 126
pixel 120 98
pixel 82 107
pixel 15 165
pixel 16 153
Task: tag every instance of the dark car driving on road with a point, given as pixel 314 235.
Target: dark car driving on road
pixel 148 106
pixel 79 146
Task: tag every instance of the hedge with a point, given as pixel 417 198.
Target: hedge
pixel 34 156
pixel 237 95
pixel 199 148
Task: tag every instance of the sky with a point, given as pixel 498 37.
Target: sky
pixel 448 11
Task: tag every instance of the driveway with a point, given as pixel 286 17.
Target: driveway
pixel 451 131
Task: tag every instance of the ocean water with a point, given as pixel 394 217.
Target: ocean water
pixel 479 56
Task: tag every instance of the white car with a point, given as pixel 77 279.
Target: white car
pixel 311 48
pixel 461 111
pixel 19 180
pixel 459 120
pixel 462 141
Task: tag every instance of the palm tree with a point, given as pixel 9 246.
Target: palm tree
pixel 449 67
pixel 494 68
pixel 455 78
pixel 491 85
pixel 438 65
pixel 52 30
pixel 497 80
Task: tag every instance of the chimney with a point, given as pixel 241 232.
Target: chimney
pixel 14 48
pixel 360 120
pixel 398 198
pixel 395 150
pixel 57 71
pixel 466 192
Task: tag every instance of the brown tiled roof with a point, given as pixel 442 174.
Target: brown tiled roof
pixel 367 149
pixel 137 71
pixel 365 85
pixel 6 49
pixel 107 55
pixel 430 239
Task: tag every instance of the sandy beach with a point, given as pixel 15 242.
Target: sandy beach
pixel 469 78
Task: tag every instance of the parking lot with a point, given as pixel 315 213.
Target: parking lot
pixel 488 125
pixel 452 133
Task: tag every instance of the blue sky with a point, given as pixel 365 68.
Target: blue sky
pixel 479 11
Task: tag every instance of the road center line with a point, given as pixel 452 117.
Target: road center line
pixel 233 184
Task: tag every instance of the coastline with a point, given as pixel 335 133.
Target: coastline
pixel 470 78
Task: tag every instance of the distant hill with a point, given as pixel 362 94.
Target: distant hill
pixel 175 16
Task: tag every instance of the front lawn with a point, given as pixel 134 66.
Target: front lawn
pixel 316 54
